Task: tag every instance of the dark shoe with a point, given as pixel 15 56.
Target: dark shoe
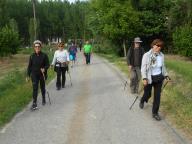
pixel 156 117
pixel 34 106
pixel 43 102
pixel 132 92
pixel 141 104
pixel 58 88
pixel 63 86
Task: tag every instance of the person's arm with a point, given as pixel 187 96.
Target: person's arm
pixel 46 66
pixel 84 48
pixel 91 49
pixel 67 53
pixel 129 58
pixel 164 70
pixel 29 66
pixel 144 70
pixel 46 63
pixel 54 58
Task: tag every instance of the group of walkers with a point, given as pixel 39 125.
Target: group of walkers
pixel 39 64
pixel 150 67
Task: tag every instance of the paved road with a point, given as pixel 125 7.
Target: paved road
pixel 95 110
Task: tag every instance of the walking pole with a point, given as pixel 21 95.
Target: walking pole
pixel 165 85
pixel 125 84
pixel 133 102
pixel 69 77
pixel 135 99
pixel 46 89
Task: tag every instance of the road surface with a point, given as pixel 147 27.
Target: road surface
pixel 94 110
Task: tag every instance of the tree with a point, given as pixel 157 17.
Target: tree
pixel 118 19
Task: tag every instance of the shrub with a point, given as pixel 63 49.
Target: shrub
pixel 182 40
pixel 9 41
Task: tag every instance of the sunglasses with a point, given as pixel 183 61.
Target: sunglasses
pixel 158 45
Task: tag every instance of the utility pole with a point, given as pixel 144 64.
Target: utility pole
pixel 63 34
pixel 34 20
pixel 84 24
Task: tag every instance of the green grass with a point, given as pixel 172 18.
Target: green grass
pixel 176 101
pixel 118 61
pixel 15 92
pixel 181 67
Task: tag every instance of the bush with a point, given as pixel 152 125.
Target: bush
pixel 182 40
pixel 9 41
pixel 105 47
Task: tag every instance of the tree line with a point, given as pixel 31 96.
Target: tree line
pixel 54 19
pixel 122 20
pixel 118 21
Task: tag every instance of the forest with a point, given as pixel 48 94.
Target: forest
pixel 106 21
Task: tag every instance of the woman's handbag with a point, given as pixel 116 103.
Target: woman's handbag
pixel 157 78
pixel 55 68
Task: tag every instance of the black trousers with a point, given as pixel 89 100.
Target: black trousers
pixel 61 76
pixel 36 79
pixel 157 95
pixel 87 57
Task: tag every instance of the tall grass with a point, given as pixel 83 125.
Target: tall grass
pixel 181 67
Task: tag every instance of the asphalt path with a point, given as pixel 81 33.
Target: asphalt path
pixel 94 110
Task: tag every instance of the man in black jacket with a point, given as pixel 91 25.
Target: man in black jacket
pixel 134 58
pixel 37 70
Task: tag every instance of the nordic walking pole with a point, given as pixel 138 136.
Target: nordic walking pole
pixel 46 89
pixel 69 76
pixel 134 102
pixel 125 84
pixel 135 99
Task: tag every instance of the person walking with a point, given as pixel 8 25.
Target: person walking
pixel 80 45
pixel 72 53
pixel 134 58
pixel 37 70
pixel 60 62
pixel 153 72
pixel 87 52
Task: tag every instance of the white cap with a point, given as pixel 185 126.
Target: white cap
pixel 37 42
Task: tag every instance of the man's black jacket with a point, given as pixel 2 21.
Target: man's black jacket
pixel 36 62
pixel 130 56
